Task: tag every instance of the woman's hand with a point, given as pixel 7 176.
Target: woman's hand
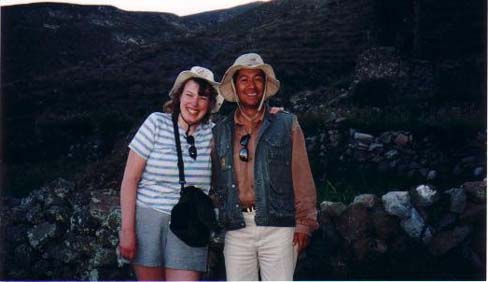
pixel 127 235
pixel 127 244
pixel 275 110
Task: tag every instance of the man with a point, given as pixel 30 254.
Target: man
pixel 261 178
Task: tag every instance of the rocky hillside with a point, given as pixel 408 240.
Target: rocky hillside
pixel 77 79
pixel 390 94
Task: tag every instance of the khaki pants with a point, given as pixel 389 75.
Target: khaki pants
pixel 254 248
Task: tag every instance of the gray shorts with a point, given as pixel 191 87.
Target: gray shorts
pixel 157 246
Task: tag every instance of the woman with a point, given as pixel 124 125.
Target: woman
pixel 150 187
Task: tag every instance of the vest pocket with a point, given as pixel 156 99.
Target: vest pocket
pixel 279 166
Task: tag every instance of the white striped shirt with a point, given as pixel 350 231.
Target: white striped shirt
pixel 159 186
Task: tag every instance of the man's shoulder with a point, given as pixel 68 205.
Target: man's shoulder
pixel 284 116
pixel 224 120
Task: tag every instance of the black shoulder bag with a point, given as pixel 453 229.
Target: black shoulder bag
pixel 193 217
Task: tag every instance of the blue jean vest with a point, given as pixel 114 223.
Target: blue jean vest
pixel 275 203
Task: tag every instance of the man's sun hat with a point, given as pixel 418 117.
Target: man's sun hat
pixel 203 73
pixel 248 61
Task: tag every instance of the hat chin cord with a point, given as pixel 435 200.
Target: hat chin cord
pixel 189 124
pixel 240 107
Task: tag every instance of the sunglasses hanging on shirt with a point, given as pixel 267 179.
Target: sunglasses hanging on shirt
pixel 192 150
pixel 244 152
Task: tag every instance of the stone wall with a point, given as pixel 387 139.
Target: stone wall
pixel 61 233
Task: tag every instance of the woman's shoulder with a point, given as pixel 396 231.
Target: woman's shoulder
pixel 160 118
pixel 159 115
pixel 206 127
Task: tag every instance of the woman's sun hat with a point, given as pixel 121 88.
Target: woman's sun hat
pixel 248 61
pixel 203 73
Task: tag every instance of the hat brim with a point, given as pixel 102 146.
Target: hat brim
pixel 227 89
pixel 185 75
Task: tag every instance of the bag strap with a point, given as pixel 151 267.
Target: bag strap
pixel 181 166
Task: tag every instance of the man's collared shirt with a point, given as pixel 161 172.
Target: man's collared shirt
pixel 303 183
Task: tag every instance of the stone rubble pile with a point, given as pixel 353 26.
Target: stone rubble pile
pixel 63 234
pixel 398 152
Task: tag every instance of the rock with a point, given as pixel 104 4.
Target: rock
pixel 107 237
pixel 103 203
pixel 446 240
pixel 447 221
pixel 333 209
pixel 473 213
pixel 82 222
pixel 61 187
pixel 386 137
pixel 391 154
pixel 458 200
pixel 375 146
pixel 59 214
pixel 476 191
pixel 478 172
pixel 331 237
pixel 431 175
pixel 113 219
pixel 368 200
pixel 83 244
pixel 354 223
pixel 385 226
pixel 104 257
pixel 424 195
pixel 365 248
pixel 363 137
pixel 63 254
pixel 415 227
pixel 402 139
pixel 397 203
pixel 23 255
pixel 41 234
pixel 34 214
pixel 17 215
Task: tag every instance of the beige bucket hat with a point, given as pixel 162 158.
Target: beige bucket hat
pixel 203 73
pixel 248 61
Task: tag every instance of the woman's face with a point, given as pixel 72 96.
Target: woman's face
pixel 192 106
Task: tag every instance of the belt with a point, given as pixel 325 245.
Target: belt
pixel 251 208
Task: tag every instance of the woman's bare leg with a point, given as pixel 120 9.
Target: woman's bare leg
pixel 145 273
pixel 182 275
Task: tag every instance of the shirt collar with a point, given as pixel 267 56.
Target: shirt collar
pixel 239 119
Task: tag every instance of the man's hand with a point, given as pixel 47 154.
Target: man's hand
pixel 127 245
pixel 303 240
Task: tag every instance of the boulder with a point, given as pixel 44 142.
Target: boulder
pixel 458 200
pixel 476 191
pixel 332 209
pixel 40 234
pixel 415 227
pixel 354 223
pixel 385 226
pixel 446 240
pixel 397 203
pixel 368 200
pixel 424 195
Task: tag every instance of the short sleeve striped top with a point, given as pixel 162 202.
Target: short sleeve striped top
pixel 159 186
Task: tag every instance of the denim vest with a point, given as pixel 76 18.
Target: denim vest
pixel 275 203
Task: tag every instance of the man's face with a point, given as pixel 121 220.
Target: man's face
pixel 250 87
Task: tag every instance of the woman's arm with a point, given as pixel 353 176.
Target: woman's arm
pixel 132 174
